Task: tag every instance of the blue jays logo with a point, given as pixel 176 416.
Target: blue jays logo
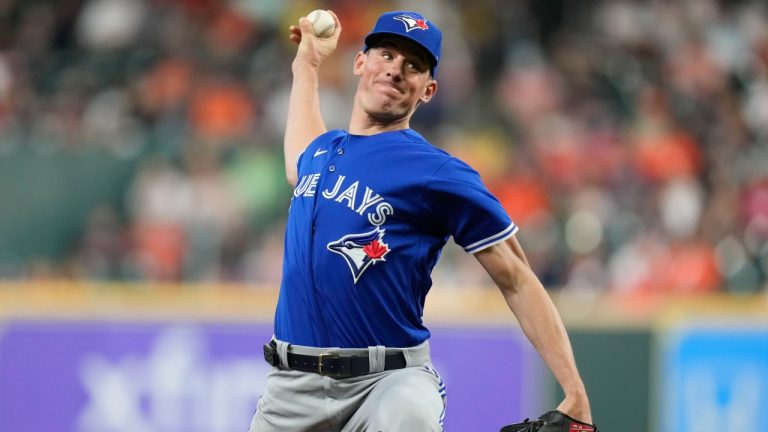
pixel 361 250
pixel 412 23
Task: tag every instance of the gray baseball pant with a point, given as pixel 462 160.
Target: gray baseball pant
pixel 402 400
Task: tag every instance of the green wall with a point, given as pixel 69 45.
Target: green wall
pixel 45 198
pixel 615 366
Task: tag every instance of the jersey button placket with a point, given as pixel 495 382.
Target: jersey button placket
pixel 339 151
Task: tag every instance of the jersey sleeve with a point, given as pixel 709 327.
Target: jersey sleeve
pixel 463 205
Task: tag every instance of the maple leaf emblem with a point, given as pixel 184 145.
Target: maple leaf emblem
pixel 375 250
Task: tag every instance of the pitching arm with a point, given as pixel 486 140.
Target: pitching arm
pixel 305 122
pixel 507 265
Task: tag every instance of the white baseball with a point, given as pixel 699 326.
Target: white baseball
pixel 323 24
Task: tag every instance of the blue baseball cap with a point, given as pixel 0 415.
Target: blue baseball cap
pixel 412 26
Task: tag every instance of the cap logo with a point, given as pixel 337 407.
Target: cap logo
pixel 412 23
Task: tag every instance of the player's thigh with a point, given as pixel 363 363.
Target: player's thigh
pixel 410 399
pixel 292 401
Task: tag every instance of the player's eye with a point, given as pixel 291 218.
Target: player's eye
pixel 415 66
pixel 387 55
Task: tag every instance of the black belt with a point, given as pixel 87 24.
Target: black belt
pixel 331 364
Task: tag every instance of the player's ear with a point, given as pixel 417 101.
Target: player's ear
pixel 360 57
pixel 429 91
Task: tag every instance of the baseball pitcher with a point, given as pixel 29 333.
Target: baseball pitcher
pixel 372 208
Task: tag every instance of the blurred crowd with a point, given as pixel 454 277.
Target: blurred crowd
pixel 627 139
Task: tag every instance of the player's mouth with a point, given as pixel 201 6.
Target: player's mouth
pixel 389 85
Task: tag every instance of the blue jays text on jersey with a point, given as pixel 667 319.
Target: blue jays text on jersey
pixel 368 219
pixel 307 187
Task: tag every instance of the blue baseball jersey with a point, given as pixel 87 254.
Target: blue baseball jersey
pixel 368 218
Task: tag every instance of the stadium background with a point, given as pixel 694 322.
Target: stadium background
pixel 142 205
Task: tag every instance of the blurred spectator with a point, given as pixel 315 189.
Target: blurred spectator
pixel 161 200
pixel 110 24
pixel 221 111
pixel 103 246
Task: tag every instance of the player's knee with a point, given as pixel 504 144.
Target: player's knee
pixel 408 414
pixel 407 421
pixel 417 418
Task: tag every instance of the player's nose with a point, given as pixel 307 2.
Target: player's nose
pixel 395 69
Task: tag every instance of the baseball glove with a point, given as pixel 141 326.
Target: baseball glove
pixel 552 421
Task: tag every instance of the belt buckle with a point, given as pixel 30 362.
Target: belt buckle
pixel 320 365
pixel 270 355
